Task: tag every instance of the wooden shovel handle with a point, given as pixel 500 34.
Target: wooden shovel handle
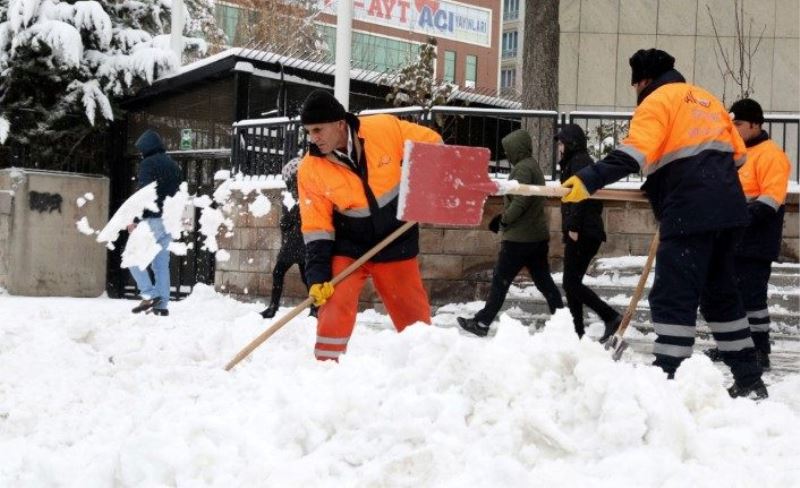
pixel 637 294
pixel 560 191
pixel 308 301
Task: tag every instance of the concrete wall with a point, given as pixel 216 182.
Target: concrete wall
pixel 44 253
pixel 456 262
pixel 598 37
pixel 6 207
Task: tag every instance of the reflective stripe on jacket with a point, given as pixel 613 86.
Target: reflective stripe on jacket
pixel 345 212
pixel 765 181
pixel 682 138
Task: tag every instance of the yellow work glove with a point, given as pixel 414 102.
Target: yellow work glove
pixel 579 192
pixel 320 292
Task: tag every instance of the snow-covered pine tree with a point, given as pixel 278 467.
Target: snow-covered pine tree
pixel 64 64
pixel 414 84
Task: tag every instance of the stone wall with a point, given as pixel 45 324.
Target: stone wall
pixel 456 262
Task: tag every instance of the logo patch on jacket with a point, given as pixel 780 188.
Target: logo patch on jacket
pixel 385 159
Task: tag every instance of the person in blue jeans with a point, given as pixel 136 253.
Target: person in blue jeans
pixel 155 166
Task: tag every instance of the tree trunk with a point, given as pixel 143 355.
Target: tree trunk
pixel 540 76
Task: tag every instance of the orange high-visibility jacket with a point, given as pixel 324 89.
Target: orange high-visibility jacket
pixel 348 207
pixel 682 138
pixel 765 181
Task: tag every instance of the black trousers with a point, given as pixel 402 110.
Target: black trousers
pixel 697 270
pixel 287 257
pixel 577 256
pixel 512 258
pixel 752 276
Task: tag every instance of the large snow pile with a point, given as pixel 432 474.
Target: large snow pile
pixel 93 396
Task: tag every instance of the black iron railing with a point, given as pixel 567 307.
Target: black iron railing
pixel 263 146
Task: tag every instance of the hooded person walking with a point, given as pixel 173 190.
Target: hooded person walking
pixel 582 225
pixel 525 238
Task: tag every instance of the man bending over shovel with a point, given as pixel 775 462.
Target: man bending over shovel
pixel 349 185
pixel 682 138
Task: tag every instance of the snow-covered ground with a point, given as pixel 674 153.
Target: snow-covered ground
pixel 93 396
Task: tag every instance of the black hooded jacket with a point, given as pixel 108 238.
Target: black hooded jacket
pixel 157 166
pixel 585 218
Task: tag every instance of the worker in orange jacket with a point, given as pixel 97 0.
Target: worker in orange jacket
pixel 349 185
pixel 765 181
pixel 682 139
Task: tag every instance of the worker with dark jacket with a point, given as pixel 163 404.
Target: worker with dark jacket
pixel 525 238
pixel 682 138
pixel 582 225
pixel 349 184
pixel 765 181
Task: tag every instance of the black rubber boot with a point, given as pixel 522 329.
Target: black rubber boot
pixel 611 327
pixel 270 311
pixel 755 390
pixel 162 312
pixel 472 325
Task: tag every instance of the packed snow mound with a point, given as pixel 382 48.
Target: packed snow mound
pixel 111 398
pixel 141 248
pixel 133 208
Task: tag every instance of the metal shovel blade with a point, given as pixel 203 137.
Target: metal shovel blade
pixel 443 184
pixel 617 345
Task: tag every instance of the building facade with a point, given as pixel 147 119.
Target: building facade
pixel 387 35
pixel 598 37
pixel 511 44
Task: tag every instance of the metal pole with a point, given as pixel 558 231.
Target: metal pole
pixel 176 36
pixel 344 33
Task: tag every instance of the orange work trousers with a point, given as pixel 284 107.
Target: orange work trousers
pixel 398 283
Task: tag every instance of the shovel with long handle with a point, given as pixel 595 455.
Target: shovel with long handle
pixel 308 301
pixel 616 343
pixel 450 184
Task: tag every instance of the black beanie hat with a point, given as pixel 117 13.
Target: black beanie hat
pixel 321 107
pixel 748 110
pixel 649 63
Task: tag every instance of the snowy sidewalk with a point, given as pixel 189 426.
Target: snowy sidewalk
pixel 93 396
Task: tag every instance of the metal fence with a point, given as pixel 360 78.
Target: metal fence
pixel 263 146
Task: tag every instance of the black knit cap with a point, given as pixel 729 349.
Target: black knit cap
pixel 649 63
pixel 748 110
pixel 321 107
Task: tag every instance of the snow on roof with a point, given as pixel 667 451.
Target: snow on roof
pixel 316 66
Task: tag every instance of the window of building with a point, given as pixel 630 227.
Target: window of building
pixel 371 52
pixel 510 40
pixel 227 17
pixel 508 78
pixel 510 9
pixel 471 71
pixel 450 66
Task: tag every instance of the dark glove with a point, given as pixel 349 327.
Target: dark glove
pixel 759 211
pixel 494 224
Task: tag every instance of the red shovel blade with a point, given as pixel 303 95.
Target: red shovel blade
pixel 444 184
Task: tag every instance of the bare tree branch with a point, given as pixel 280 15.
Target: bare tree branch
pixel 739 65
